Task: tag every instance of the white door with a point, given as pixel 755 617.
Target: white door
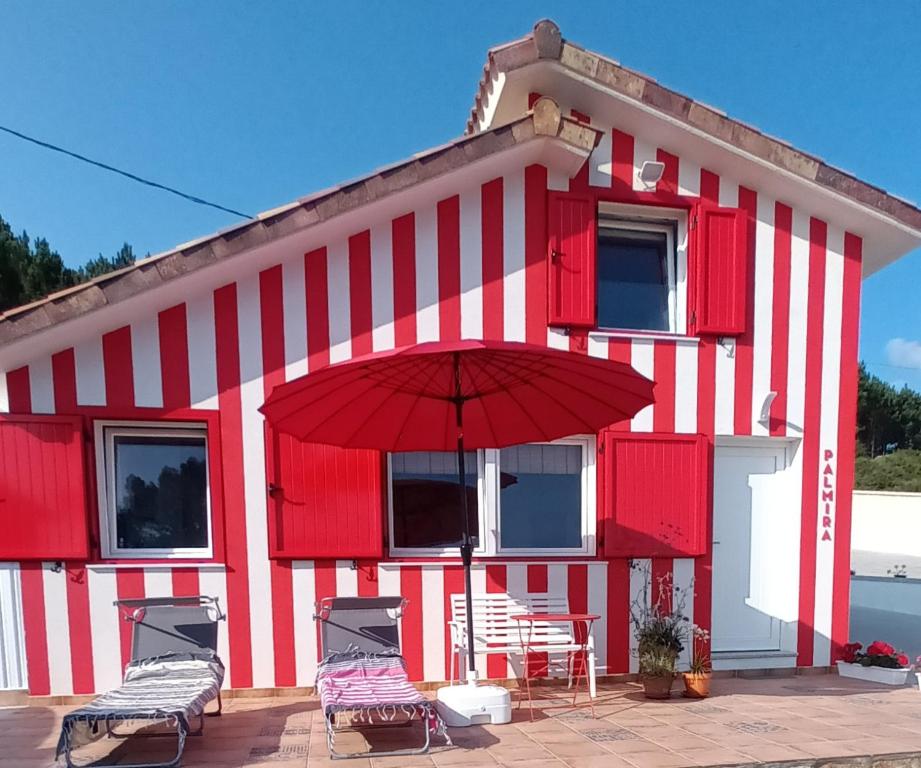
pixel 747 553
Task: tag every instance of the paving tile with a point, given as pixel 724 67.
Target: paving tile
pixel 597 761
pixel 769 753
pixel 713 755
pixel 658 760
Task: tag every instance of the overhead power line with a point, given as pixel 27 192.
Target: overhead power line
pixel 113 169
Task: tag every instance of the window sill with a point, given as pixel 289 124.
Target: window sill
pixel 489 559
pixel 679 338
pixel 109 565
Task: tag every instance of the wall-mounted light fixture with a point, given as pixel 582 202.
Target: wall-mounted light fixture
pixel 651 172
pixel 765 416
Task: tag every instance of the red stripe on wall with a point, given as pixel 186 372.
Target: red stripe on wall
pixel 81 639
pixel 315 273
pixel 537 577
pixel 709 187
pixel 64 375
pixel 577 592
pixel 847 419
pixel 669 181
pixel 454 585
pixel 360 292
pixel 19 390
pixel 745 344
pixel 367 578
pixel 228 385
pixel 448 213
pixel 663 414
pixel 185 582
pixel 403 231
pixel 618 616
pixel 780 323
pixel 116 356
pixel 173 329
pixel 33 619
pixel 491 202
pixel 273 374
pixel 129 583
pixel 535 254
pixel 622 161
pixel 411 589
pixel 815 312
pixel 496 582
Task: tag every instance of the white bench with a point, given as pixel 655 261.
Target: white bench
pixel 494 630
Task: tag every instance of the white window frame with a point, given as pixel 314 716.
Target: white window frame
pixel 674 223
pixel 488 495
pixel 105 433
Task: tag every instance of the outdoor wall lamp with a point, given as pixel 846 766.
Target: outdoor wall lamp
pixel 766 408
pixel 651 172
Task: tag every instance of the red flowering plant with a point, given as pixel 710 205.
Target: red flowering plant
pixel 878 654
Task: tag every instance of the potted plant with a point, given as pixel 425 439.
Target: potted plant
pixel 697 678
pixel 880 663
pixel 660 628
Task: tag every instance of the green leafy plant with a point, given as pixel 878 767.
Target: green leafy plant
pixel 660 624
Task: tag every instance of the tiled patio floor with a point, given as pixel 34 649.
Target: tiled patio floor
pixel 745 721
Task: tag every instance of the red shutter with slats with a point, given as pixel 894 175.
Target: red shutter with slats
pixel 571 260
pixel 722 271
pixel 325 502
pixel 42 488
pixel 656 499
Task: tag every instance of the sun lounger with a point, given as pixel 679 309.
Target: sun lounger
pixel 363 674
pixel 173 674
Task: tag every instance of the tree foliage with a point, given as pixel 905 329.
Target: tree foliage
pixel 31 269
pixel 888 435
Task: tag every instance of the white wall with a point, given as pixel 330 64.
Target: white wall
pixel 12 640
pixel 887 522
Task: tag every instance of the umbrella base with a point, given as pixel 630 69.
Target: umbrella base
pixel 471 704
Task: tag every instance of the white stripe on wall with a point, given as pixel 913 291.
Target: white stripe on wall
pixel 643 152
pixel 294 302
pixel 12 633
pixel 145 363
pixel 388 585
pixel 516 582
pixel 158 582
pixel 40 385
pixel 557 586
pixel 382 333
pixel 642 352
pixel 640 581
pixel 337 288
pixel 597 604
pixel 202 352
pixel 104 623
pixel 686 387
pixel 764 310
pixel 799 288
pixel 513 252
pixel 433 623
pixel 478 587
pixel 57 622
pixel 346 579
pixel 427 320
pixel 303 594
pixel 4 394
pixel 599 162
pixel 251 397
pixel 688 178
pixel 471 264
pixel 828 441
pixel 213 583
pixel 556 339
pixel 90 372
pixel 724 402
pixel 683 580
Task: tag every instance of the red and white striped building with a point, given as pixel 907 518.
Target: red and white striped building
pixel 492 236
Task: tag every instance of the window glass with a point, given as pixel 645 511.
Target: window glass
pixel 426 499
pixel 633 280
pixel 540 497
pixel 160 485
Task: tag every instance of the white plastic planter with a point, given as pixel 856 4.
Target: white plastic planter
pixel 874 674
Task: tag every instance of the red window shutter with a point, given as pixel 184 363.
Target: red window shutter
pixel 722 271
pixel 43 488
pixel 571 261
pixel 656 496
pixel 325 502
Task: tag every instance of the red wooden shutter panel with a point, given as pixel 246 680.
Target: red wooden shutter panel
pixel 657 495
pixel 42 488
pixel 722 271
pixel 326 501
pixel 571 261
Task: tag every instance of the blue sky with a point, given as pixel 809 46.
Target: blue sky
pixel 253 105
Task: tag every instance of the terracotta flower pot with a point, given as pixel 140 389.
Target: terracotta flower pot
pixel 657 686
pixel 697 685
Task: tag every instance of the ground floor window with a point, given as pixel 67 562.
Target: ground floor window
pixel 153 490
pixel 526 499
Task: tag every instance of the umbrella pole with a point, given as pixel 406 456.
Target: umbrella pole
pixel 466 542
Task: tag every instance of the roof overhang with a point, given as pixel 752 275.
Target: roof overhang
pixel 544 62
pixel 543 135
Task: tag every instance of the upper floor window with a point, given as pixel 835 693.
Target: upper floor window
pixel 153 487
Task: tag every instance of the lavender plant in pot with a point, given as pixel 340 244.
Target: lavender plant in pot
pixel 661 629
pixel 697 678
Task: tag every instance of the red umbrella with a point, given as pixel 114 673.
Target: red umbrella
pixel 445 396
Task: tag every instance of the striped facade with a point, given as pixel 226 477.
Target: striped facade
pixel 469 265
